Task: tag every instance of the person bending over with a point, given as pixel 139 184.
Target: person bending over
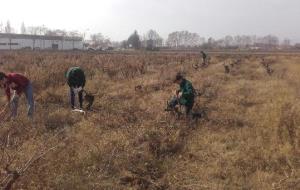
pixel 15 85
pixel 76 81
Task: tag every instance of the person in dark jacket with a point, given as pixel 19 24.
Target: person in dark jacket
pixel 204 58
pixel 185 96
pixel 15 85
pixel 76 81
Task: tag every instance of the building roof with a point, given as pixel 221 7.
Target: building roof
pixel 39 37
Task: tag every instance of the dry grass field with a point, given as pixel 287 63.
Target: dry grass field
pixel 249 139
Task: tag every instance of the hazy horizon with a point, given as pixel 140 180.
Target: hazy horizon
pixel 117 19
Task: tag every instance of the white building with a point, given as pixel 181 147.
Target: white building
pixel 24 41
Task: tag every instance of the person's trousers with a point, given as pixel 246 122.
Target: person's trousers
pixel 14 104
pixel 72 97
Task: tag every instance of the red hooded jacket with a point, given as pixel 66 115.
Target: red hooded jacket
pixel 20 81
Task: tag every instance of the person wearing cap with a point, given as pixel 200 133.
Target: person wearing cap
pixel 204 58
pixel 15 85
pixel 185 96
pixel 76 81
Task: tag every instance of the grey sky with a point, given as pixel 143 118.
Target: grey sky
pixel 118 18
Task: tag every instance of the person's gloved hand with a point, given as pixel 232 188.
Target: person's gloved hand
pixel 15 97
pixel 77 90
pixel 179 95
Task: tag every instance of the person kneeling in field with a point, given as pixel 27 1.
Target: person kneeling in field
pixel 14 85
pixel 76 81
pixel 185 96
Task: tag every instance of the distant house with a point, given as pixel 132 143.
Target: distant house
pixel 24 41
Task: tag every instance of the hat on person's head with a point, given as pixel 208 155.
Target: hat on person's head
pixel 178 77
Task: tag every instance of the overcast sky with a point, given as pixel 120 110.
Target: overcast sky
pixel 119 18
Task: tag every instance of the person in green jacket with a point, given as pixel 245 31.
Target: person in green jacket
pixel 185 96
pixel 76 81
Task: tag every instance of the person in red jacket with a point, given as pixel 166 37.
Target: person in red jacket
pixel 15 85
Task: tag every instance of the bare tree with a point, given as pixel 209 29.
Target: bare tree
pixel 286 43
pixel 43 30
pixel 153 39
pixel 1 27
pixel 271 40
pixel 97 37
pixel 37 30
pixel 229 41
pixel 56 32
pixel 23 28
pixel 74 33
pixel 183 39
pixel 33 30
pixel 8 28
pixel 211 42
pixel 99 41
pixel 173 39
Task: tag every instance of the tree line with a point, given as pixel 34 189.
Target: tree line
pixel 186 39
pixel 152 40
pixel 38 30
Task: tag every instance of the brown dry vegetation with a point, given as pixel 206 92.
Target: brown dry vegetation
pixel 249 141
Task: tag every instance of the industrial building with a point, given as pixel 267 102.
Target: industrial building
pixel 24 41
